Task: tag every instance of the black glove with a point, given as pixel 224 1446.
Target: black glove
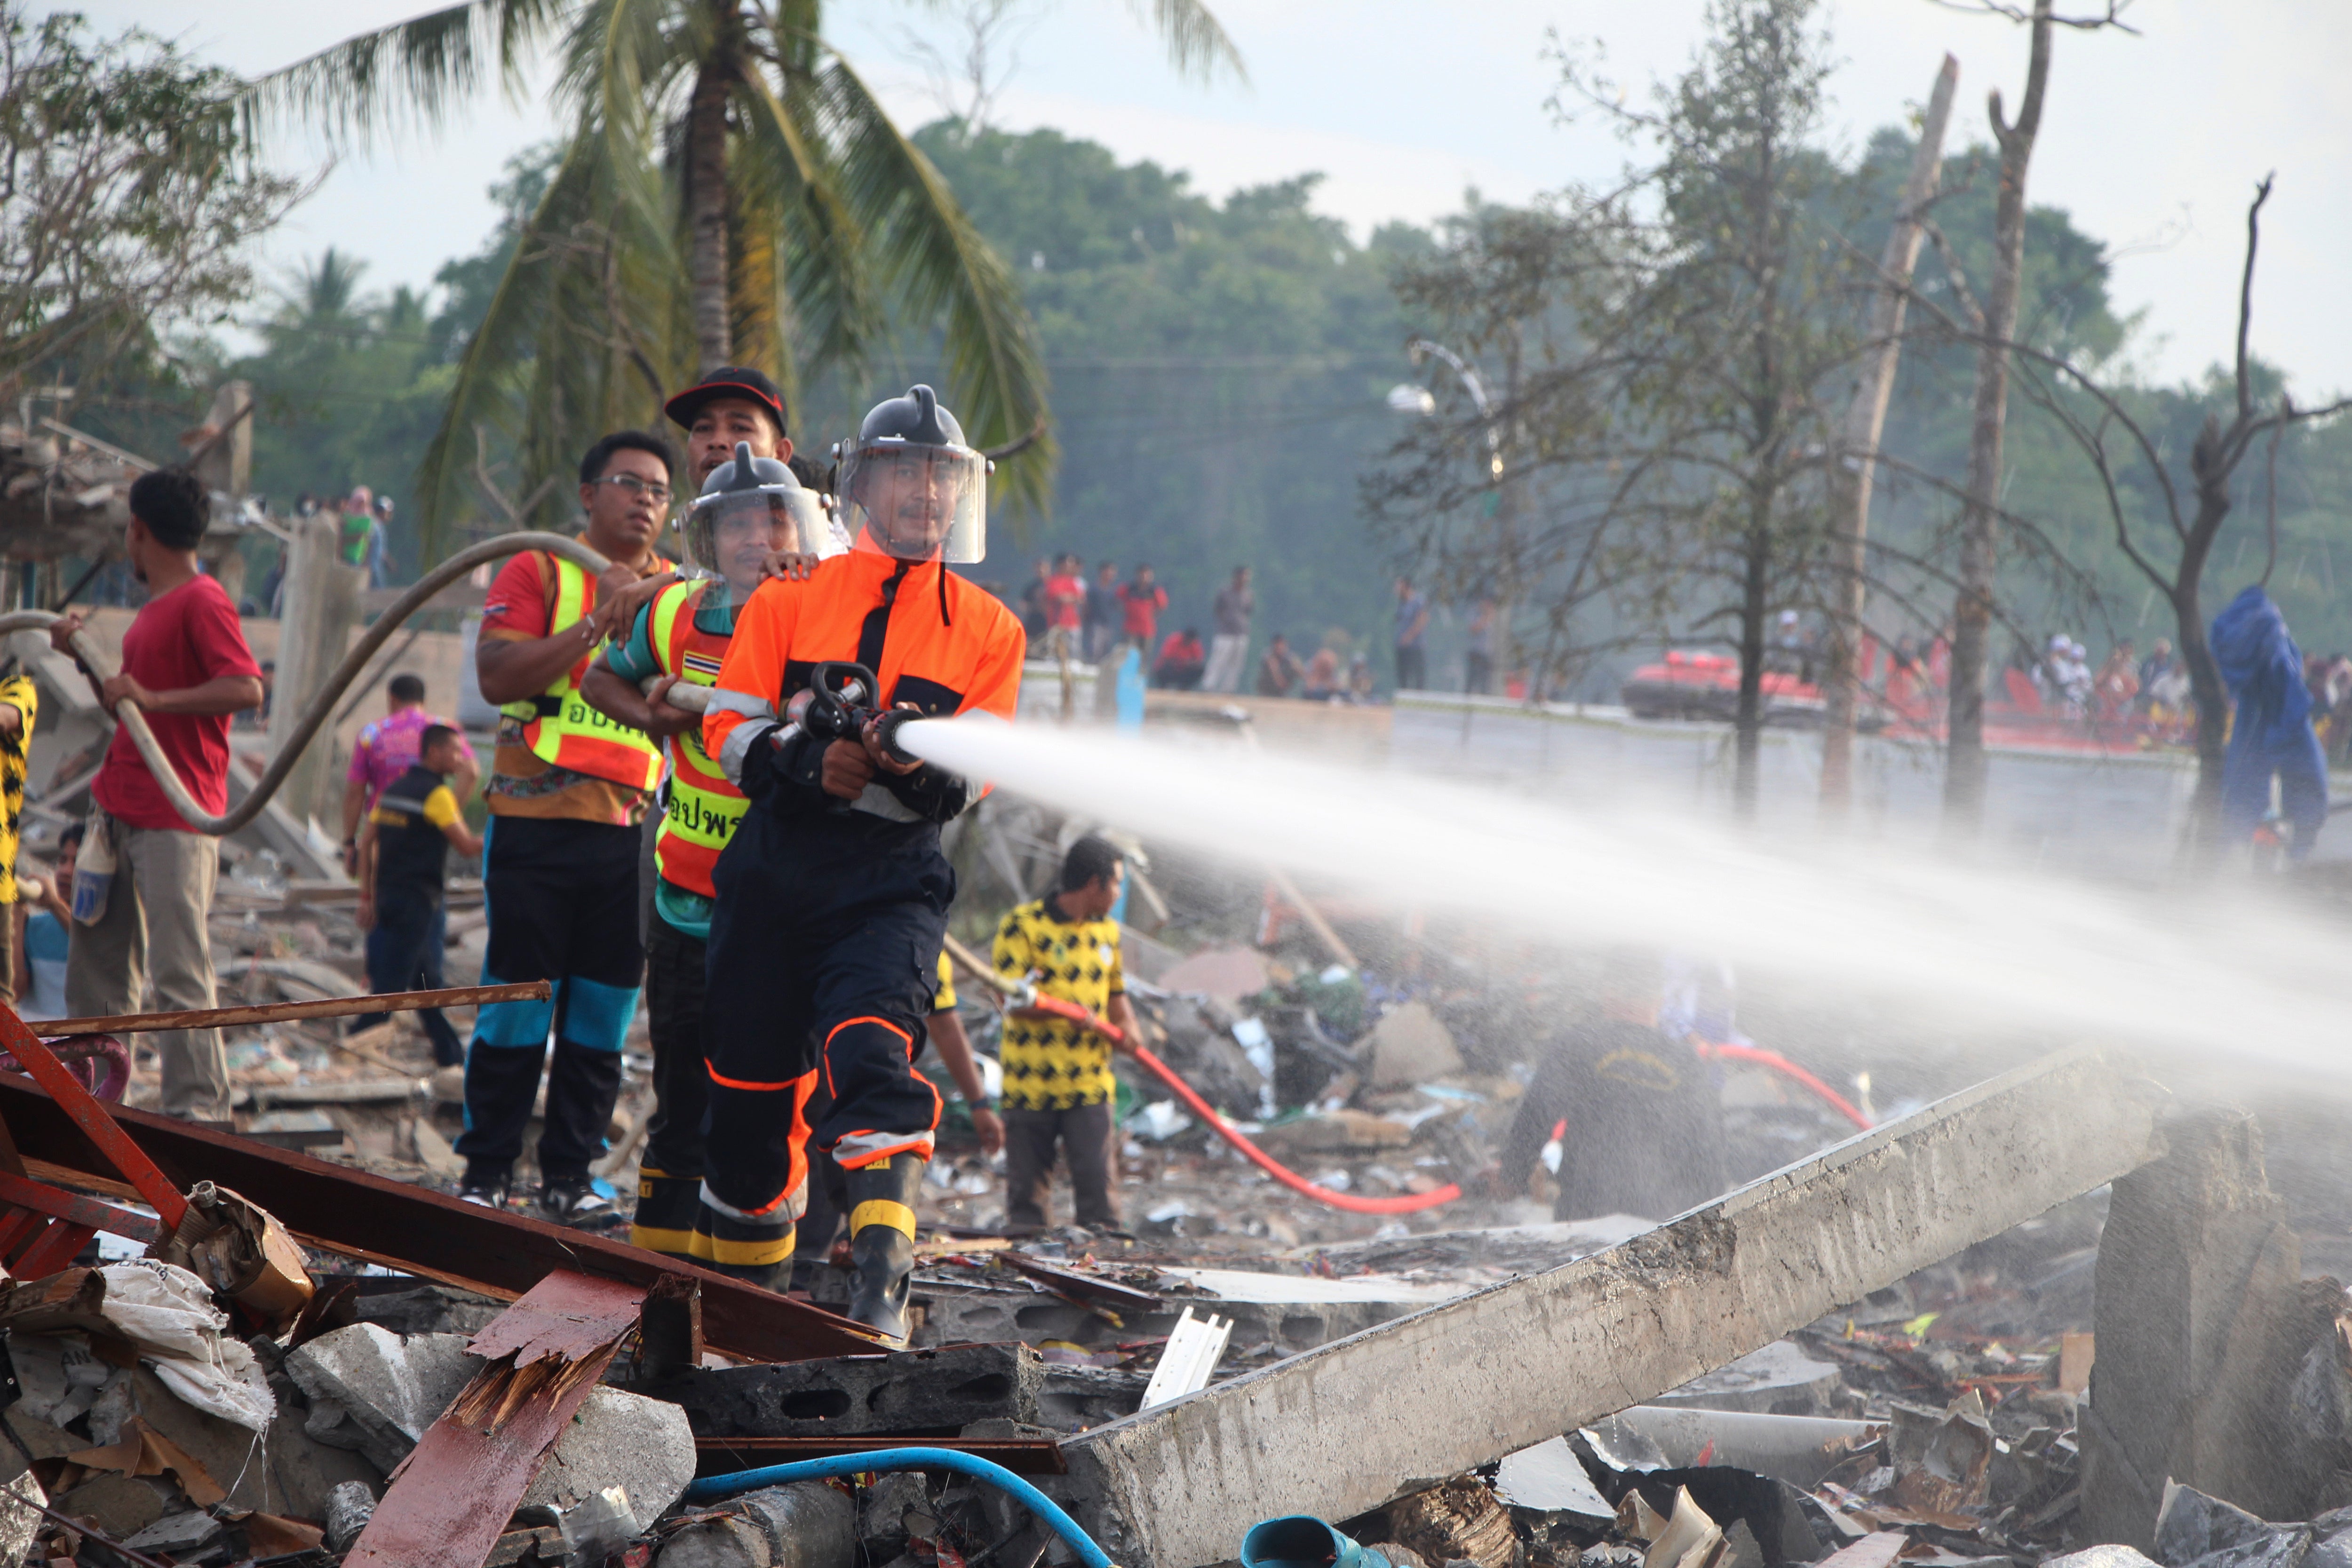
pixel 931 793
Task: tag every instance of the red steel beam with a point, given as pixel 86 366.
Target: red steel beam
pixel 88 1213
pixel 68 1093
pixel 366 1216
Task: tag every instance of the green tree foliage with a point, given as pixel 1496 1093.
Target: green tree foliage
pixel 730 192
pixel 1219 371
pixel 127 198
pixel 1669 355
pixel 2066 312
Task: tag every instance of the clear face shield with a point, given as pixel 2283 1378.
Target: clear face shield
pixel 915 501
pixel 730 534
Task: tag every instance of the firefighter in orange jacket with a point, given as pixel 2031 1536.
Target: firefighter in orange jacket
pixel 832 893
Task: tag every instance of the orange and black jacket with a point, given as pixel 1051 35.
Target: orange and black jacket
pixel 930 637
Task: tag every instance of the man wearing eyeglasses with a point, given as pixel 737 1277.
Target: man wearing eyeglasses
pixel 568 790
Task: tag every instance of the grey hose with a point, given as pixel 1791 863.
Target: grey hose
pixel 355 664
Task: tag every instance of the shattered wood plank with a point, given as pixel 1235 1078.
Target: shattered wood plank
pixel 1353 1423
pixel 566 1315
pixel 450 1499
pixel 416 1230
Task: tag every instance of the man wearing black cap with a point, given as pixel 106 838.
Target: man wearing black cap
pixel 733 402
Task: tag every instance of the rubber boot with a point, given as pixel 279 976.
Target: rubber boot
pixel 882 1243
pixel 664 1221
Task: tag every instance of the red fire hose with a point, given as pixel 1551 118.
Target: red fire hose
pixel 1406 1203
pixel 1781 1064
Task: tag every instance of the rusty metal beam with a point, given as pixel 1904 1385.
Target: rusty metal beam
pixel 279 1012
pixel 431 1234
pixel 17 1192
pixel 78 1107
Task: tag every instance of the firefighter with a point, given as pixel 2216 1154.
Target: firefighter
pixel 833 892
pixel 821 1217
pixel 749 508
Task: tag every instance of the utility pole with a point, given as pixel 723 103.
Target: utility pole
pixel 220 454
pixel 322 608
pixel 1851 474
pixel 1965 765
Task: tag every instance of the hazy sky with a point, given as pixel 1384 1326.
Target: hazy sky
pixel 2153 143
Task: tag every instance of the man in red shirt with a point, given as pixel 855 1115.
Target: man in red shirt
pixel 185 664
pixel 1066 609
pixel 1141 602
pixel 1180 662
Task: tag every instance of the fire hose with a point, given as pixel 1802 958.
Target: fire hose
pixel 1024 995
pixel 103 668
pixel 1773 1059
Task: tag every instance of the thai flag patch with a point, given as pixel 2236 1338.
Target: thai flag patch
pixel 702 663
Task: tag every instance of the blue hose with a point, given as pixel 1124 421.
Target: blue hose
pixel 711 1488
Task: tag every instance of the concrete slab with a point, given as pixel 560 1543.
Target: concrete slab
pixel 1350 1425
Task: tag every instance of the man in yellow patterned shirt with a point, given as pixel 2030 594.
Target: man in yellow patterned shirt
pixel 1057 1079
pixel 20 701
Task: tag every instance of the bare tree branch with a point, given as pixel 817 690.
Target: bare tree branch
pixel 2111 17
pixel 2246 293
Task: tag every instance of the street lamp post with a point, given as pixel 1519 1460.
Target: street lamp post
pixel 1412 398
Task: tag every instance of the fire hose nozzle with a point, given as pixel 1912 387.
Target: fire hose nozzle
pixel 886 735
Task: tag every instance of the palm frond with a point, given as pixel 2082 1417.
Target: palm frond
pixel 786 180
pixel 940 266
pixel 1197 42
pixel 579 337
pixel 410 75
pixel 618 66
pixel 486 392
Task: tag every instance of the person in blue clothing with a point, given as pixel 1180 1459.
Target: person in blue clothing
pixel 43 935
pixel 2270 730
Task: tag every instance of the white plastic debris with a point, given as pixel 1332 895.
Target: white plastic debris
pixel 1194 1347
pixel 169 1314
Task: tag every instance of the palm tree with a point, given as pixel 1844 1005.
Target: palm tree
pixel 325 296
pixel 719 141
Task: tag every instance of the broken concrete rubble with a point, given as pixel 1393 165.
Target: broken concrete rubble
pixel 805 1525
pixel 902 1391
pixel 376 1392
pixel 2220 1367
pixel 618 1439
pixel 1460 1384
pixel 451 1497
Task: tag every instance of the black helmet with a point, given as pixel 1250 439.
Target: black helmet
pixel 758 488
pixel 910 486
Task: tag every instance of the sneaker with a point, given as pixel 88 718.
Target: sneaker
pixel 575 1204
pixel 488 1195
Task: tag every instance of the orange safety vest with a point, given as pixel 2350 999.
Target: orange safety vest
pixel 559 726
pixel 945 663
pixel 703 807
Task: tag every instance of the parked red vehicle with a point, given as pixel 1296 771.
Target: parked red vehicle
pixel 1691 684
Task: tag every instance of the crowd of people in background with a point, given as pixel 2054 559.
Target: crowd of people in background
pixel 1100 619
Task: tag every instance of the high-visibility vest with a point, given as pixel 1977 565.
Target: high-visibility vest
pixel 703 807
pixel 559 726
